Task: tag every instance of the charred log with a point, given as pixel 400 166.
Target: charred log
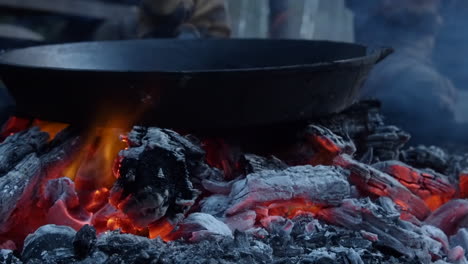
pixel 423 157
pixel 364 124
pixel 434 187
pixel 21 187
pixel 372 182
pixel 256 163
pixel 321 185
pixel 382 219
pixel 155 175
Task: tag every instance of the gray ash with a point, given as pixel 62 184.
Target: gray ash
pixel 345 191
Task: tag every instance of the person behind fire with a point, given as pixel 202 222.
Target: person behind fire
pixel 415 95
pixel 170 19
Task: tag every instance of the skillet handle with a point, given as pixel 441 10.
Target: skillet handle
pixel 381 53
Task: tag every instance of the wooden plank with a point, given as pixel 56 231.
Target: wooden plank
pixel 80 8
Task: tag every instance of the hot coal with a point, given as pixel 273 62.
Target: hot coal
pixel 199 226
pixel 321 185
pixel 61 203
pixel 460 239
pixel 450 217
pixel 343 192
pixel 372 182
pixel 365 126
pixel 35 162
pixel 8 257
pixel 357 122
pixel 427 184
pixel 155 175
pixel 386 142
pixel 307 241
pixel 383 219
pixel 255 163
pixel 423 157
pixel 50 244
pixel 317 145
pixel 84 241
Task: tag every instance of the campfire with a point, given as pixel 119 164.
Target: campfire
pixel 343 189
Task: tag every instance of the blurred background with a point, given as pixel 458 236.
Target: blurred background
pixel 81 20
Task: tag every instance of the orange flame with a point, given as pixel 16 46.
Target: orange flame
pixel 52 128
pixel 289 209
pixel 161 229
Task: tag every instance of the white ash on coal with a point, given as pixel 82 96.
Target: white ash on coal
pixel 345 191
pixel 155 174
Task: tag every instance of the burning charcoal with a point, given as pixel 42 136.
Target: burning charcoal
pixel 8 245
pixel 319 147
pixel 436 234
pixel 16 147
pixel 62 204
pixel 84 241
pixel 256 163
pixel 457 255
pixel 215 204
pixel 224 156
pixel 321 185
pixel 386 142
pixel 278 225
pixel 97 257
pixel 423 157
pixel 358 121
pixel 50 243
pixel 340 254
pixel 429 185
pixel 242 222
pixel 458 164
pixel 450 217
pixel 460 239
pixel 125 245
pixel 218 187
pixel 393 233
pixel 371 181
pixel 22 185
pixel 198 226
pixel 7 257
pixel 18 187
pixel 155 176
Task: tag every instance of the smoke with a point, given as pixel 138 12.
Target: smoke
pixel 420 84
pixel 451 53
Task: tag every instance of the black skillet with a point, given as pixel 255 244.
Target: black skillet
pixel 191 84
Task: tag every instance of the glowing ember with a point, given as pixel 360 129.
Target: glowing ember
pixel 14 125
pixel 156 183
pixel 463 185
pixel 52 128
pixel 290 209
pixel 221 155
pixel 161 229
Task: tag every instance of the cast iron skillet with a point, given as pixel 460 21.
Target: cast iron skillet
pixel 191 84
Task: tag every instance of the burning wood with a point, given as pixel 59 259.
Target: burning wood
pixel 450 217
pixel 62 204
pixel 370 181
pixel 312 203
pixel 382 218
pixel 427 157
pixel 322 186
pixel 36 162
pixel 155 173
pixel 429 185
pixel 199 226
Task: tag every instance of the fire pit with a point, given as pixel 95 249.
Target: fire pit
pixel 344 191
pixel 338 188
